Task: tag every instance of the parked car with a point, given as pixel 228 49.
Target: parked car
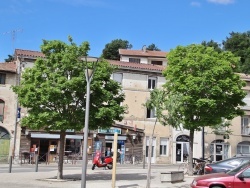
pixel 238 177
pixel 226 165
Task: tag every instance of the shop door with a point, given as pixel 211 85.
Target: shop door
pixel 153 150
pixel 182 149
pixel 4 145
pixel 219 150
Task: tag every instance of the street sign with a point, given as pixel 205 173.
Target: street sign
pixel 112 130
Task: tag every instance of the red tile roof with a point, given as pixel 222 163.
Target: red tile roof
pixel 8 67
pixel 29 53
pixel 141 53
pixel 129 65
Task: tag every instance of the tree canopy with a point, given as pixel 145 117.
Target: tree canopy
pixel 211 43
pixel 111 50
pixel 206 85
pixel 54 91
pixel 153 47
pixel 239 45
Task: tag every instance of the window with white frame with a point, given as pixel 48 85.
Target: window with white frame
pixel 151 113
pixel 243 148
pixel 117 77
pixel 245 125
pixel 163 146
pixel 135 60
pixel 2 78
pixel 2 103
pixel 151 82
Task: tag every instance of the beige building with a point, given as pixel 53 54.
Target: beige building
pixel 9 129
pixel 139 72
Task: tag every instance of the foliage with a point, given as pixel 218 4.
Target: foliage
pixel 153 47
pixel 239 45
pixel 211 43
pixel 111 50
pixel 206 86
pixel 54 91
pixel 223 128
pixel 9 59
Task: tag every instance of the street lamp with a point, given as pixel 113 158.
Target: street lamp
pixel 89 72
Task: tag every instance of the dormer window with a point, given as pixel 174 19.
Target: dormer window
pixel 2 78
pixel 135 60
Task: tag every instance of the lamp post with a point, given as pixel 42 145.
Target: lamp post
pixel 89 72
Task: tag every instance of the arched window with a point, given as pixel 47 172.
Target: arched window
pixel 2 103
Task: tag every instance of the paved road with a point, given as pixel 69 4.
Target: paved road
pixel 127 176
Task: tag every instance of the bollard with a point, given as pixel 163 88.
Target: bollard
pixel 10 164
pixel 36 163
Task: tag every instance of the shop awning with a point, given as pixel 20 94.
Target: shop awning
pixel 54 136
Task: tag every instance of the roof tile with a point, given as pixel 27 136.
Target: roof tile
pixel 8 67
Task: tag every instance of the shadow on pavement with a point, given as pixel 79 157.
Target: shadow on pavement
pixel 102 176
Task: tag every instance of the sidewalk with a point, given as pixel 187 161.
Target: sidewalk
pixel 126 177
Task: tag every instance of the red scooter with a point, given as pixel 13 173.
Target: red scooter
pixel 107 162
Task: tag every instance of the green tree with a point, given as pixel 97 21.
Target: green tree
pixel 111 50
pixel 9 59
pixel 153 47
pixel 239 45
pixel 207 87
pixel 54 90
pixel 211 43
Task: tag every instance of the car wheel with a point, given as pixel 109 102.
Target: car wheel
pixel 216 186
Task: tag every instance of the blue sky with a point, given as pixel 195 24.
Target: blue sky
pixel 166 23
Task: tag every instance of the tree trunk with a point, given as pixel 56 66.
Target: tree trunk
pixel 149 156
pixel 190 156
pixel 61 154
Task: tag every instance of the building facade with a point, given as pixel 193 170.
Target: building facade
pixel 9 129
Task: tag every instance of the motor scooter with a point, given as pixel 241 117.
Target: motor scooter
pixel 107 162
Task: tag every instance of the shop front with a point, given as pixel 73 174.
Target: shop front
pixel 129 142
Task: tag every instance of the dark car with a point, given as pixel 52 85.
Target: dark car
pixel 238 177
pixel 226 165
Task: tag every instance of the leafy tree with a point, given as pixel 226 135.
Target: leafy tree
pixel 111 50
pixel 54 90
pixel 9 59
pixel 206 86
pixel 153 47
pixel 211 43
pixel 239 45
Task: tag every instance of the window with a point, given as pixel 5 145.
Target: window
pixel 1 110
pixel 163 146
pixel 245 125
pixel 135 60
pixel 243 148
pixel 117 77
pixel 151 113
pixel 156 62
pixel 151 83
pixel 2 78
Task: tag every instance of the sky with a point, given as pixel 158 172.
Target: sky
pixel 166 23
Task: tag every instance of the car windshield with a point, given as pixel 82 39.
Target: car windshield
pixel 238 168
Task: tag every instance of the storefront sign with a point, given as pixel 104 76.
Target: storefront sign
pixel 112 130
pixel 112 138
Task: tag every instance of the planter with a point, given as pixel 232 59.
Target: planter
pixel 172 176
